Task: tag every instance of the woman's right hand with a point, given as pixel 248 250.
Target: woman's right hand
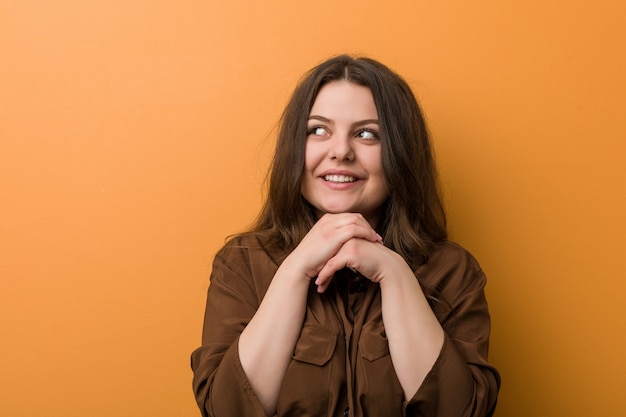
pixel 325 239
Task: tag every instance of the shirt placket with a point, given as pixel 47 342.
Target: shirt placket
pixel 352 329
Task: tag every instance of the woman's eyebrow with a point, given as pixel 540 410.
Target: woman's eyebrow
pixel 320 118
pixel 365 122
pixel 359 123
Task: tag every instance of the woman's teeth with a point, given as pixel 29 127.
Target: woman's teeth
pixel 339 178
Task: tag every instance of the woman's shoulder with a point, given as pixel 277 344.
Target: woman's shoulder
pixel 250 245
pixel 448 252
pixel 451 268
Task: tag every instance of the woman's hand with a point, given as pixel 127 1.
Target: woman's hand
pixel 373 260
pixel 326 238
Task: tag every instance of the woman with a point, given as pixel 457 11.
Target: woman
pixel 346 299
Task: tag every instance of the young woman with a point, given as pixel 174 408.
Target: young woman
pixel 346 298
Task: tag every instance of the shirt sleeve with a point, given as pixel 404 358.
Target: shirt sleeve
pixel 220 384
pixel 462 382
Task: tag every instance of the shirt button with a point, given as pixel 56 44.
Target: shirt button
pixel 359 286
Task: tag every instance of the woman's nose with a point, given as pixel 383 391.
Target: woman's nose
pixel 341 147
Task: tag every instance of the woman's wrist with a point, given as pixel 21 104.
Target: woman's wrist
pixel 398 273
pixel 292 268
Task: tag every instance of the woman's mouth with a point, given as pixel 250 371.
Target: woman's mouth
pixel 339 178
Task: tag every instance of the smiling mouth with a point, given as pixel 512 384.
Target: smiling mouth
pixel 339 178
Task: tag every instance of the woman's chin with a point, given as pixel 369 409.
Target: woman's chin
pixel 338 209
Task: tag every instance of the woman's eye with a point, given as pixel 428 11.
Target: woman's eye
pixel 317 131
pixel 367 134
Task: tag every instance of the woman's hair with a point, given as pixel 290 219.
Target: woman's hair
pixel 413 216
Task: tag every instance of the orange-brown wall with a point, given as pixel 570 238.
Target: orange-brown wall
pixel 134 137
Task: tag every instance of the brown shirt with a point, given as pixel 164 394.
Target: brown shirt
pixel 341 364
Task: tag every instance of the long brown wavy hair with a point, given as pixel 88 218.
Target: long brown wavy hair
pixel 413 216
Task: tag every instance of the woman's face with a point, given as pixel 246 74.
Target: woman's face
pixel 343 167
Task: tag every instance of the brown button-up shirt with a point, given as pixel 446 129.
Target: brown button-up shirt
pixel 341 364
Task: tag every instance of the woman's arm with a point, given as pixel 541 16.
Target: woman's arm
pixel 267 343
pixel 440 361
pixel 413 332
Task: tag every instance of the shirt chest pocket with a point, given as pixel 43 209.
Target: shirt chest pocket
pixel 379 398
pixel 311 382
pixel 373 343
pixel 315 346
